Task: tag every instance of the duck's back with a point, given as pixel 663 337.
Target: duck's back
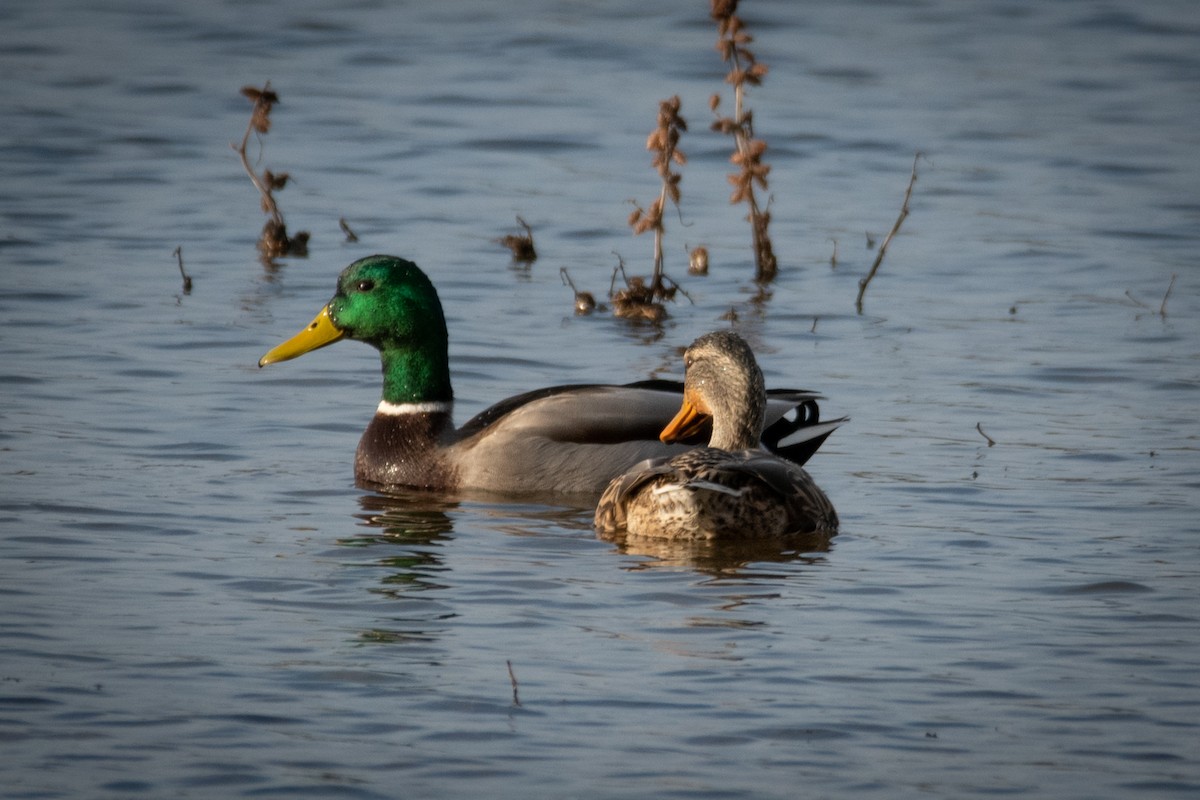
pixel 716 494
pixel 567 440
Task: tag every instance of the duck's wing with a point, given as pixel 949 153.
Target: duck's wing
pixel 567 439
pixel 793 427
pixel 807 505
pixel 749 484
pixel 611 510
pixel 575 439
pixel 600 413
pixel 590 413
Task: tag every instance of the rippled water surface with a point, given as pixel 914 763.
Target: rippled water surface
pixel 197 601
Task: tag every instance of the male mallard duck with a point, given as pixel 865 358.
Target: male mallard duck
pixel 564 439
pixel 730 489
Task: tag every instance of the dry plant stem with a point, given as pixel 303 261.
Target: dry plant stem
pixel 990 441
pixel 862 284
pixel 274 239
pixel 261 102
pixel 513 680
pixel 1162 309
pixel 187 279
pixel 351 236
pixel 585 302
pixel 663 142
pixel 744 69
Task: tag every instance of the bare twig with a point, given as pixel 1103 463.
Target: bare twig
pixel 351 236
pixel 585 302
pixel 187 278
pixel 1134 300
pixel 979 427
pixel 1162 309
pixel 513 679
pixel 862 284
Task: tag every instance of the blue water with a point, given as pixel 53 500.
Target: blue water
pixel 197 601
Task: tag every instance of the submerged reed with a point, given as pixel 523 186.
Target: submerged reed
pixel 274 240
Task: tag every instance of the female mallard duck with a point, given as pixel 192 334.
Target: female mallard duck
pixel 561 440
pixel 730 489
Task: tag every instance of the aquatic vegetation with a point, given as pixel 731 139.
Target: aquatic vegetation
pixel 639 299
pixel 664 143
pixel 274 240
pixel 585 302
pixel 187 279
pixel 521 244
pixel 744 70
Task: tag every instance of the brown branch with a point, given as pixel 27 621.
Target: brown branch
pixel 187 279
pixel 1162 309
pixel 260 121
pixel 979 427
pixel 274 239
pixel 732 41
pixel 513 679
pixel 585 302
pixel 664 143
pixel 863 283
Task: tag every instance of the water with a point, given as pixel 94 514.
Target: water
pixel 199 603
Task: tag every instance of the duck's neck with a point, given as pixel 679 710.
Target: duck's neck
pixel 739 425
pixel 416 377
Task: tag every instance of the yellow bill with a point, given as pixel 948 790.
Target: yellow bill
pixel 320 332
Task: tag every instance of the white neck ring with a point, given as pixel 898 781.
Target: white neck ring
pixel 398 409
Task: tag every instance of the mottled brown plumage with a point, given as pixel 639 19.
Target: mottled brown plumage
pixel 730 489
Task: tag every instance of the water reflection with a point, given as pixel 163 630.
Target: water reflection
pixel 723 558
pixel 409 517
pixel 417 525
pixel 413 527
pixel 405 535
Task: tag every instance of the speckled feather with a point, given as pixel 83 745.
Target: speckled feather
pixel 708 493
pixel 731 489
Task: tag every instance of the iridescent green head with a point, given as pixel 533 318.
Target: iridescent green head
pixel 389 303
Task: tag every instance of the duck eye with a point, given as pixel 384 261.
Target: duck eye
pixel 365 286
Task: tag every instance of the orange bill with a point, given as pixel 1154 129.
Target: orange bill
pixel 688 422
